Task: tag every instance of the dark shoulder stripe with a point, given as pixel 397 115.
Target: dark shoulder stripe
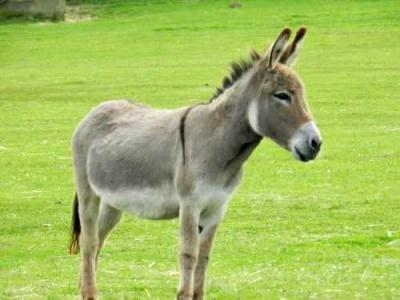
pixel 182 129
pixel 182 132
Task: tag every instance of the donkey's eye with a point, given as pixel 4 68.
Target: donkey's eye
pixel 283 96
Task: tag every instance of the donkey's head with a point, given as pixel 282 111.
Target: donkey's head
pixel 279 110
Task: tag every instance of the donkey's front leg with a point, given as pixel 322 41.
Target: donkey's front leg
pixel 189 222
pixel 206 239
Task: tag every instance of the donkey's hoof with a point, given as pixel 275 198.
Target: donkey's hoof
pixel 93 297
pixel 184 295
pixel 89 294
pixel 198 296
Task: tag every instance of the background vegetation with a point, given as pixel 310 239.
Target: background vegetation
pixel 329 229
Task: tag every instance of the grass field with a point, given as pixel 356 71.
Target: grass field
pixel 329 229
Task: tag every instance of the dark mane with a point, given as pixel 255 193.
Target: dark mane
pixel 238 68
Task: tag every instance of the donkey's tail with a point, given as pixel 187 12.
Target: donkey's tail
pixel 75 228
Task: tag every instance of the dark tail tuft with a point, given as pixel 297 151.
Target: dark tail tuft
pixel 75 228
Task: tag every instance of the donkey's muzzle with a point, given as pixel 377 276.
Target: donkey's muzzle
pixel 311 153
pixel 315 145
pixel 306 142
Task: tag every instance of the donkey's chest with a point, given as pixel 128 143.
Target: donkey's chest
pixel 211 198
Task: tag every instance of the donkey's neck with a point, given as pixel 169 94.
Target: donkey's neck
pixel 237 138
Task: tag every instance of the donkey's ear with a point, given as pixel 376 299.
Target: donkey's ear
pixel 291 52
pixel 273 53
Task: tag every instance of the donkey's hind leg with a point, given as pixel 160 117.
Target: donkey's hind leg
pixel 108 219
pixel 88 214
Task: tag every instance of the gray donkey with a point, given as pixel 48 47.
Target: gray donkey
pixel 186 162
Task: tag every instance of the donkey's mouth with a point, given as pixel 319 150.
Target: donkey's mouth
pixel 300 155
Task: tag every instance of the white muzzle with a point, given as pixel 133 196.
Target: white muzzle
pixel 306 142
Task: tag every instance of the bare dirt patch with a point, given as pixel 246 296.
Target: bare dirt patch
pixel 75 14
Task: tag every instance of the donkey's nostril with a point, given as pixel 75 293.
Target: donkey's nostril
pixel 315 144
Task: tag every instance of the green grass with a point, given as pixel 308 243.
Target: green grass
pixel 329 229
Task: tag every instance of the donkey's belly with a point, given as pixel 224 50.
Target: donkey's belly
pixel 149 203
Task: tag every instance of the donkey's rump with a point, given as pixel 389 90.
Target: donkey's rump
pixel 133 157
pixel 140 149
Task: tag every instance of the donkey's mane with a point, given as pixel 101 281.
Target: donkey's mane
pixel 238 68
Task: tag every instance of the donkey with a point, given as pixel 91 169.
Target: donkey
pixel 186 162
